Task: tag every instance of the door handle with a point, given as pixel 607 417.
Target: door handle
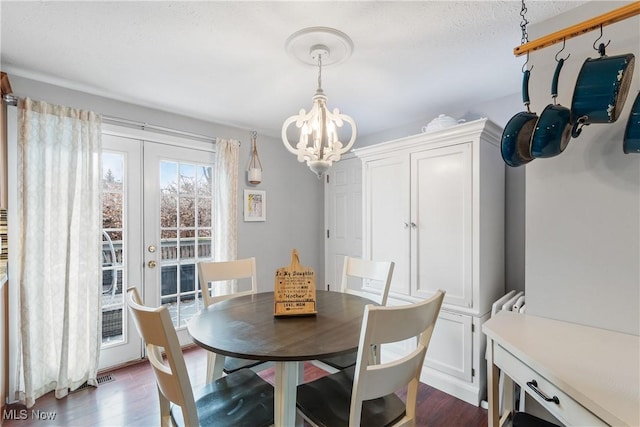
pixel 152 264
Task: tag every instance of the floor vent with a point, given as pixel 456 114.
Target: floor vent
pixel 101 380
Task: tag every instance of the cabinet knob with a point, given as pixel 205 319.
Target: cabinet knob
pixel 413 225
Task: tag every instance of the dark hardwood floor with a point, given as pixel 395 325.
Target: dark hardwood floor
pixel 131 399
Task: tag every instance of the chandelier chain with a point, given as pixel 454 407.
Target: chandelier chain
pixel 320 71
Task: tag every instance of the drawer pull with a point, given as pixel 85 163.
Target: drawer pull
pixel 533 385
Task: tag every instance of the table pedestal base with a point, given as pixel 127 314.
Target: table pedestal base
pixel 288 376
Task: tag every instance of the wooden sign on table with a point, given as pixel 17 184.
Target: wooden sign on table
pixel 295 289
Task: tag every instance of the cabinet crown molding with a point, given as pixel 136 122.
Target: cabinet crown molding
pixel 482 129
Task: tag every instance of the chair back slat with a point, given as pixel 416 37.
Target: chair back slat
pixel 383 381
pixel 228 272
pixel 366 271
pixel 397 323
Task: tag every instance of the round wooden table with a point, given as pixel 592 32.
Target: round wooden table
pixel 245 327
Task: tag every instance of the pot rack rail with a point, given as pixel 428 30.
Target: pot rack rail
pixel 584 27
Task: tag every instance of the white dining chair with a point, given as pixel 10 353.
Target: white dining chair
pixel 241 398
pixel 368 279
pixel 220 281
pixel 365 394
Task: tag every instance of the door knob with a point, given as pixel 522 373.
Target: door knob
pixel 152 264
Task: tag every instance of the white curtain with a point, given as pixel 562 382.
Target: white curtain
pixel 59 214
pixel 225 200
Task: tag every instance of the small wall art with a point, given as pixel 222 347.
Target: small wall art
pixel 255 205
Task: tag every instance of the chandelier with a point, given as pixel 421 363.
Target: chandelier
pixel 319 143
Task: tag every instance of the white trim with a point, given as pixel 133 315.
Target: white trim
pixel 147 135
pixel 13 324
pixel 160 129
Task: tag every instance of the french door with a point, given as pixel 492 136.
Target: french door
pixel 178 228
pixel 157 201
pixel 121 239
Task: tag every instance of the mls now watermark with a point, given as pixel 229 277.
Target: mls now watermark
pixel 25 414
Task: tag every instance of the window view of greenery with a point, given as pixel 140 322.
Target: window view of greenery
pixel 186 231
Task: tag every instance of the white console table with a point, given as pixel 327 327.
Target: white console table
pixel 583 376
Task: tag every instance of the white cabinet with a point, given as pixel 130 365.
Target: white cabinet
pixel 434 204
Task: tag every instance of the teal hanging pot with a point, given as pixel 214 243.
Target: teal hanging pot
pixel 601 89
pixel 631 142
pixel 516 136
pixel 552 131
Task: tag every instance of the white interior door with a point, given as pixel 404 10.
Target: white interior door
pixel 343 217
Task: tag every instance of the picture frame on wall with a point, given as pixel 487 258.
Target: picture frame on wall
pixel 255 205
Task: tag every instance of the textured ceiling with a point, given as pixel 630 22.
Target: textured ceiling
pixel 226 61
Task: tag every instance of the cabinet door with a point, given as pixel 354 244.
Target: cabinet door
pixel 441 209
pixel 387 216
pixel 450 350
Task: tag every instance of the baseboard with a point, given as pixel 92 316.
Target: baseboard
pixel 450 385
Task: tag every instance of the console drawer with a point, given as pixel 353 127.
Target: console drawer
pixel 567 410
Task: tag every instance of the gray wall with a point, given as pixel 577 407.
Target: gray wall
pixel 583 206
pixel 294 194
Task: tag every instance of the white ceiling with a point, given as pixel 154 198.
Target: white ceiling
pixel 225 61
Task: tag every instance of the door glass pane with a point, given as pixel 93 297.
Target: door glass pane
pixel 113 194
pixel 185 221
